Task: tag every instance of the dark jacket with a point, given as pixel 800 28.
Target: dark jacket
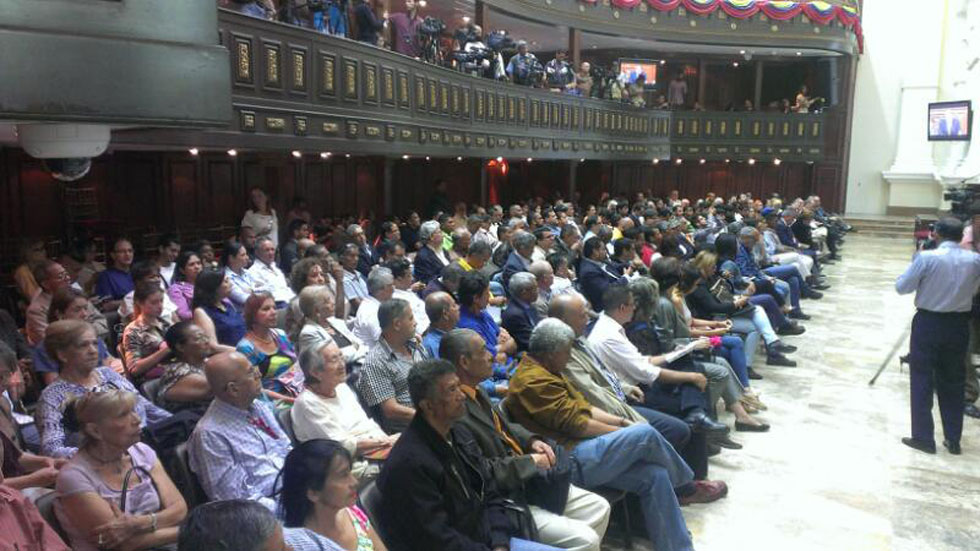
pixel 678 246
pixel 509 470
pixel 803 232
pixel 593 279
pixel 427 265
pixel 785 234
pixel 704 305
pixel 513 265
pixel 368 25
pixel 519 320
pixel 365 259
pixel 435 496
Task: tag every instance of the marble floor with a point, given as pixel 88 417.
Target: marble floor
pixel 832 473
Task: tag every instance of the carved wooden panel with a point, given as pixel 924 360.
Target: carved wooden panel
pixel 327 74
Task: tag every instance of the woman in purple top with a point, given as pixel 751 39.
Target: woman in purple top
pixel 181 291
pixel 74 346
pixel 114 494
pixel 214 312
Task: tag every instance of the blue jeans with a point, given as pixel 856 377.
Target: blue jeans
pixel 791 276
pixel 692 447
pixel 638 459
pixel 338 21
pixel 733 350
pixel 524 545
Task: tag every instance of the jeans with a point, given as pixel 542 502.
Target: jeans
pixel 758 323
pixel 338 21
pixel 524 545
pixel 733 350
pixel 638 459
pixel 721 383
pixel 771 308
pixel 791 276
pixel 692 447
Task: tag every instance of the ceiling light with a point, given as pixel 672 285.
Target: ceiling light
pixel 232 152
pixel 500 159
pixel 581 160
pixel 405 157
pixel 663 61
pixel 701 162
pixel 297 154
pixel 727 161
pixel 679 161
pixel 466 19
pixel 325 155
pixel 347 155
pixel 741 52
pixel 427 158
pixel 799 53
pixel 734 64
pixel 459 159
pixel 656 161
pixel 751 161
pixel 777 162
pixel 193 151
pixel 529 159
pixel 422 3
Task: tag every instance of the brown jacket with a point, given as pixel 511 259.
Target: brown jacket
pixel 547 404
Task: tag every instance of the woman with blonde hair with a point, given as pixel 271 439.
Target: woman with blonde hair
pixel 72 344
pixel 114 494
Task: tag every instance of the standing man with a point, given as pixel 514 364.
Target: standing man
pixel 405 30
pixel 944 280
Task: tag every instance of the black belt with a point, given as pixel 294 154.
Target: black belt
pixel 950 314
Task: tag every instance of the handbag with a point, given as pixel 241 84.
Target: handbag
pixel 721 290
pixel 549 489
pixel 521 520
pixel 124 492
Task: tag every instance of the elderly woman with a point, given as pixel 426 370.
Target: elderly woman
pixel 307 272
pixel 319 494
pixel 74 346
pixel 235 259
pixel 183 384
pixel 143 346
pixel 213 310
pixel 722 381
pixel 269 349
pixel 319 324
pixel 328 408
pixel 67 304
pixel 431 258
pixel 181 291
pixel 114 494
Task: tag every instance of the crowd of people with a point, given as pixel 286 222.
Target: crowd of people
pixel 476 378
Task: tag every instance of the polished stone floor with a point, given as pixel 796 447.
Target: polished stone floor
pixel 832 473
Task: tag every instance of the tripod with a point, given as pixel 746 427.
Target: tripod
pixel 891 354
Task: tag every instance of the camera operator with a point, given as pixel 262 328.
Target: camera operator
pixel 405 30
pixel 559 73
pixel 972 243
pixel 471 54
pixel 368 24
pixel 944 281
pixel 523 67
pixel 583 80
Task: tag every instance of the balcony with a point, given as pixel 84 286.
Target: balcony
pixel 294 89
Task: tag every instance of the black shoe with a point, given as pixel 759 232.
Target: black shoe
pixel 724 441
pixel 920 445
pixel 971 411
pixel 797 315
pixel 700 422
pixel 779 360
pixel 836 257
pixel 815 295
pixel 749 427
pixel 791 329
pixel 952 447
pixel 779 347
pixel 754 375
pixel 821 286
pixel 713 449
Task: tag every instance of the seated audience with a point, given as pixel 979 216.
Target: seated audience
pixel 114 494
pixel 431 258
pixel 19 469
pixel 518 458
pixel 329 409
pixel 474 297
pixel 383 381
pixel 235 260
pixel 83 253
pixel 114 282
pixel 23 526
pixel 242 525
pixel 443 310
pixel 237 448
pixel 268 278
pixel 168 249
pixel 381 287
pixel 53 277
pixel 72 344
pixel 605 450
pixel 355 284
pixel 214 311
pixel 181 290
pixel 183 384
pixel 143 347
pixel 147 271
pixel 520 316
pixel 67 303
pixel 447 282
pixel 308 271
pixel 32 254
pixel 594 273
pixel 401 270
pixel 319 324
pixel 544 276
pixel 319 497
pixel 269 349
pixel 519 260
pixel 365 253
pixel 435 490
pixel 289 253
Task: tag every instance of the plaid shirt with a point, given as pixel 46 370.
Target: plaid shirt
pixel 385 374
pixel 233 457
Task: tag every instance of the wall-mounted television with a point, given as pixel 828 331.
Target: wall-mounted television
pixel 950 121
pixel 632 68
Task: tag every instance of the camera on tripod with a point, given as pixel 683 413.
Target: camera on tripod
pixel 965 201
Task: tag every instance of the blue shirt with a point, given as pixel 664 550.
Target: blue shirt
pixel 746 262
pixel 114 284
pixel 944 279
pixel 483 324
pixel 432 340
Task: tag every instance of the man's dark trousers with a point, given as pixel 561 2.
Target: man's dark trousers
pixel 938 349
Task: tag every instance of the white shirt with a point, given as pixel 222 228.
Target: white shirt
pixel 264 225
pixel 608 339
pixel 269 278
pixel 340 418
pixel 366 325
pixel 167 274
pixel 418 309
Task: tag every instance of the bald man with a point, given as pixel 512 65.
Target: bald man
pixel 443 315
pixel 545 275
pixel 237 448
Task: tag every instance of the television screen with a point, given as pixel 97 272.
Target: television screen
pixel 632 68
pixel 950 121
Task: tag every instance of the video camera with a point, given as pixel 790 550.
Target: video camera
pixel 431 27
pixel 965 201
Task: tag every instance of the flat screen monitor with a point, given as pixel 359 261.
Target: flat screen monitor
pixel 632 68
pixel 950 121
